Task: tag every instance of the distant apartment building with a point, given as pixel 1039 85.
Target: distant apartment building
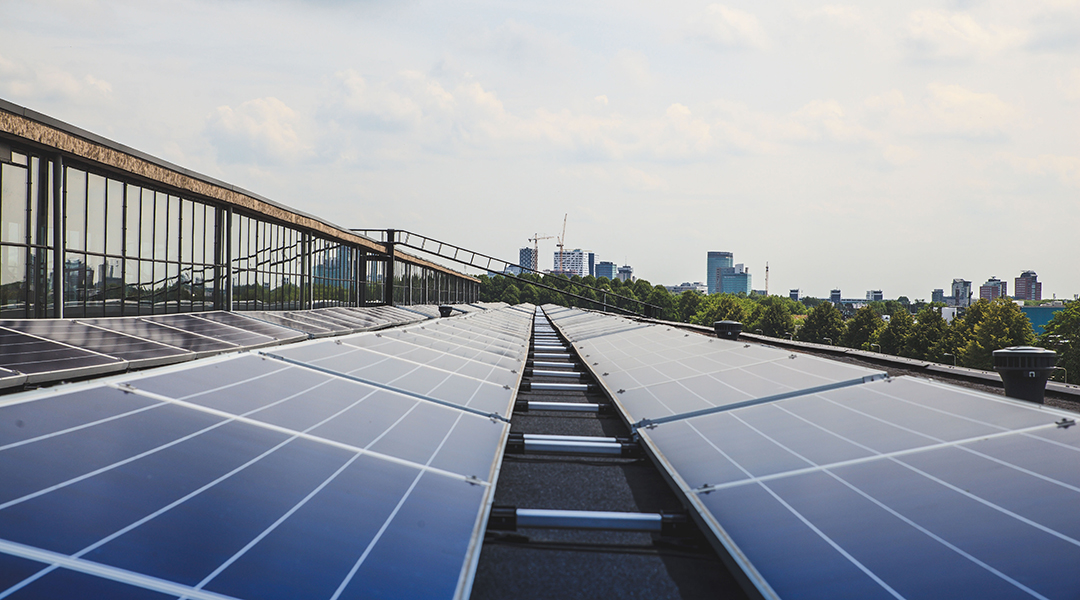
pixel 716 262
pixel 527 258
pixel 592 263
pixel 572 262
pixel 834 296
pixel 626 273
pixel 875 296
pixel 1028 286
pixel 735 280
pixel 961 292
pixel 606 269
pixel 696 286
pixel 794 294
pixel 993 289
pixel 938 295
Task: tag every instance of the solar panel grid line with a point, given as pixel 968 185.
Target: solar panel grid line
pixel 270 340
pixel 141 353
pixel 390 388
pixel 492 345
pixel 262 535
pixel 36 371
pixel 481 380
pixel 59 343
pixel 166 325
pixel 245 321
pixel 937 480
pixel 877 455
pixel 55 560
pixel 415 341
pixel 295 434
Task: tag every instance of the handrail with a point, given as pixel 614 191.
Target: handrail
pixel 479 260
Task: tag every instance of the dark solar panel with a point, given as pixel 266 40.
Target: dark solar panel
pixel 138 352
pixel 280 318
pixel 241 338
pixel 159 332
pixel 261 327
pixel 897 488
pixel 44 360
pixel 252 477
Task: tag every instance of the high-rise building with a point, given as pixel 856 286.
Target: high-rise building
pixel 1028 286
pixel 794 294
pixel 606 269
pixel 961 291
pixel 734 280
pixel 874 295
pixel 717 261
pixel 574 262
pixel 626 273
pixel 993 289
pixel 527 258
pixel 592 264
pixel 834 296
pixel 938 295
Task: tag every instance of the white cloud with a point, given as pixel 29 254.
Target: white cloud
pixel 1070 84
pixel 264 130
pixel 730 28
pixel 846 16
pixel 1065 168
pixel 943 34
pixel 945 110
pixel 49 83
pixel 633 66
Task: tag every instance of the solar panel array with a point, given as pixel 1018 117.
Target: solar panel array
pixel 890 488
pixel 359 467
pixel 47 350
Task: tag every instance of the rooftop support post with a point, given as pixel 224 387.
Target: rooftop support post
pixel 58 236
pixel 224 240
pixel 388 279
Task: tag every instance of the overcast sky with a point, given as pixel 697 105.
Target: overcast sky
pixel 857 145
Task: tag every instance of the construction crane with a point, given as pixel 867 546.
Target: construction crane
pixel 766 278
pixel 535 239
pixel 562 238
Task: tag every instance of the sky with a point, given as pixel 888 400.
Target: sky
pixel 865 145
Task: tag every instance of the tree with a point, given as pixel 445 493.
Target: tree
pixel 688 305
pixel 928 336
pixel 659 296
pixel 528 294
pixel 1062 334
pixel 891 339
pixel 1003 326
pixel 824 321
pixel 721 307
pixel 511 295
pixel 776 320
pixel 862 328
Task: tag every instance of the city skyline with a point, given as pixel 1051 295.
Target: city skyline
pixel 863 145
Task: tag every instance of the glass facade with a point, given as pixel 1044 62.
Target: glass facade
pixel 129 248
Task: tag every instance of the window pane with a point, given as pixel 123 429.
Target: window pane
pixel 161 226
pixel 13 203
pixel 95 213
pixel 174 227
pixel 134 203
pixel 198 233
pixel 187 209
pixel 75 210
pixel 95 284
pixel 114 218
pixel 12 282
pixel 131 287
pixel 114 286
pixel 146 238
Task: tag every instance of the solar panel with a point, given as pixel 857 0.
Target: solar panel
pixel 138 352
pixel 43 360
pixel 241 338
pixel 159 332
pixel 888 488
pixel 249 476
pixel 243 321
pixel 312 328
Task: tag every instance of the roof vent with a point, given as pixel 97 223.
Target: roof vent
pixel 727 330
pixel 445 310
pixel 1024 371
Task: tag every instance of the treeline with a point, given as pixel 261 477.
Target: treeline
pixel 894 327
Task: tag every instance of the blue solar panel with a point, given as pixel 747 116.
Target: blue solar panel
pixel 250 476
pixel 897 488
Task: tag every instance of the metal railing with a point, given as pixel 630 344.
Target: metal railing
pixel 479 260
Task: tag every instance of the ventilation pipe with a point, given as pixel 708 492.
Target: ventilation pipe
pixel 1024 371
pixel 727 330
